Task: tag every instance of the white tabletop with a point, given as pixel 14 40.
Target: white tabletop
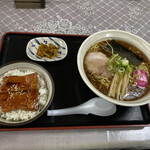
pixel 82 17
pixel 76 139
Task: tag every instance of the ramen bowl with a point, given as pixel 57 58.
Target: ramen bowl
pixel 45 90
pixel 124 36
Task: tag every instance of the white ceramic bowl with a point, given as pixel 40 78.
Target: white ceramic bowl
pixel 34 67
pixel 116 35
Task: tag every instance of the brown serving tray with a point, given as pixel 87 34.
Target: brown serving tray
pixel 70 90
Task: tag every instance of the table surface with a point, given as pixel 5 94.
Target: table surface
pixel 82 17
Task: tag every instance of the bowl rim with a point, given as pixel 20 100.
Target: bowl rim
pixel 89 84
pixel 24 122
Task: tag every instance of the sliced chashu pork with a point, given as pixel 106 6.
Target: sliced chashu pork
pixel 96 63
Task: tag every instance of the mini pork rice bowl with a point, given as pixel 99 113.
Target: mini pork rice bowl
pixel 23 94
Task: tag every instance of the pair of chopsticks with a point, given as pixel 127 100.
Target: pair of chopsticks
pixel 29 3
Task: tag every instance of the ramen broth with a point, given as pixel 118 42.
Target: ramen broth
pixel 126 86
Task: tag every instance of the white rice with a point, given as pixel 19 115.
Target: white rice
pixel 20 115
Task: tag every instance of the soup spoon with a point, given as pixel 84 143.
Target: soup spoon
pixel 96 106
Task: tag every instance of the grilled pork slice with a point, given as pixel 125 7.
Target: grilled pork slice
pixel 19 83
pixel 19 92
pixel 96 63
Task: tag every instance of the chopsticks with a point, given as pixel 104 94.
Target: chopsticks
pixel 29 3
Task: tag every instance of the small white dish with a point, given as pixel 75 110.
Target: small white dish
pixel 34 43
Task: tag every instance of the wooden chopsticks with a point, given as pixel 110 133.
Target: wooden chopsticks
pixel 29 3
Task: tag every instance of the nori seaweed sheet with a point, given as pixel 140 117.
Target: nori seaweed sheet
pixel 124 52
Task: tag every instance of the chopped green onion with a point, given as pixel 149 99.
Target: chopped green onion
pixel 120 65
pixel 125 62
pixel 121 70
